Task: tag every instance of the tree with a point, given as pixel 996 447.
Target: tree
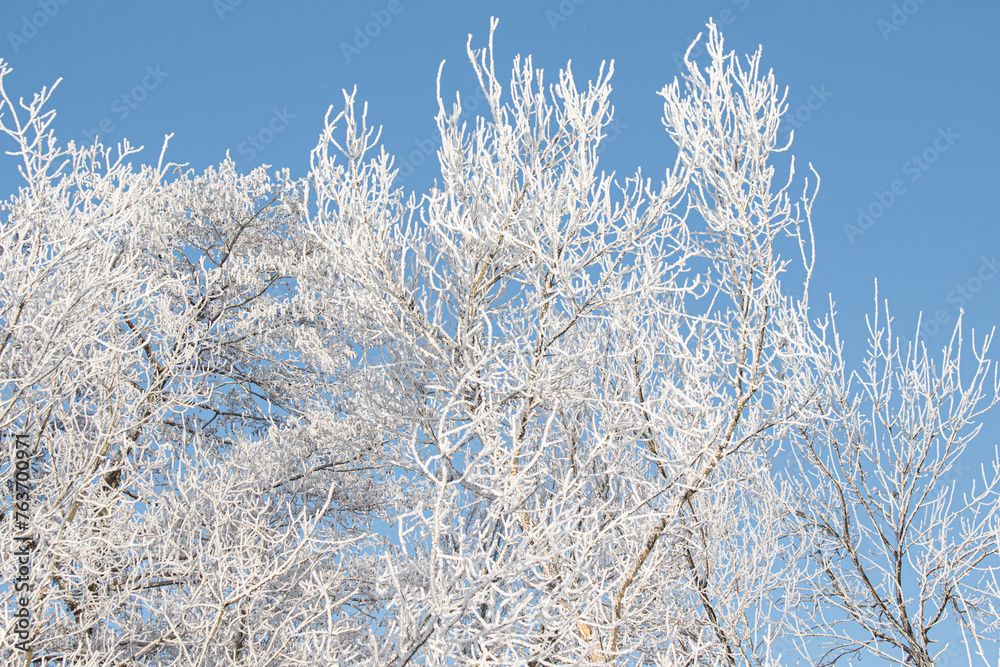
pixel 598 427
pixel 198 498
pixel 897 550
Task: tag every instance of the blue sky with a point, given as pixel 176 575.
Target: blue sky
pixel 894 103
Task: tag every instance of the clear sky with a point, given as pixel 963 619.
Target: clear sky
pixel 887 81
pixel 895 104
pixel 886 84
